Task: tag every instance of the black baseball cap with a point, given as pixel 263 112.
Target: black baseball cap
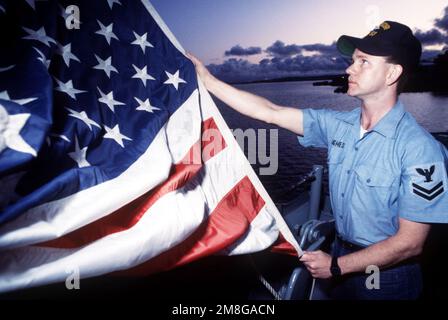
pixel 390 39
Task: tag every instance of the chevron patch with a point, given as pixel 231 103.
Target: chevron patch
pixel 428 194
pixel 428 181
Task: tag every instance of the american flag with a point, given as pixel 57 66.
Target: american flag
pixel 113 157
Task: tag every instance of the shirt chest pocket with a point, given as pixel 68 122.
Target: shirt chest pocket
pixel 335 156
pixel 375 183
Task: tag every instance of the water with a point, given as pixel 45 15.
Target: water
pixel 430 111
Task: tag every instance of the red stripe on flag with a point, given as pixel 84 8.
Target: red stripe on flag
pixel 228 222
pixel 212 143
pixel 283 246
pixel 212 140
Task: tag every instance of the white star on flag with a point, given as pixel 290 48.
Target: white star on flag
pixel 145 105
pixel 39 35
pixel 106 32
pixel 42 58
pixel 10 127
pixel 5 96
pixel 142 74
pixel 108 99
pixel 115 135
pixel 83 117
pixel 111 2
pixel 68 88
pixel 141 41
pixel 105 65
pixel 66 53
pixel 79 155
pixel 174 79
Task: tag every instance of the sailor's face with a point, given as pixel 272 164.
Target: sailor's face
pixel 367 74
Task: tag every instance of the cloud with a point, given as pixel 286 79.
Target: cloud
pixel 326 62
pixel 442 23
pixel 278 48
pixel 235 70
pixel 322 48
pixel 318 64
pixel 282 61
pixel 433 36
pixel 438 35
pixel 240 51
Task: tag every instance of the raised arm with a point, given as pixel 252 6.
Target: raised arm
pixel 249 104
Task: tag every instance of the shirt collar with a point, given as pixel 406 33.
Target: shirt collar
pixel 352 117
pixel 386 126
pixel 389 122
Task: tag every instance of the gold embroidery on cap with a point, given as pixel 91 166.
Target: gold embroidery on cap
pixel 385 26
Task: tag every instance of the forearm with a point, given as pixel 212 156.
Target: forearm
pixel 382 254
pixel 242 101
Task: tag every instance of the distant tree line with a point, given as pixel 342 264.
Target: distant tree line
pixel 432 78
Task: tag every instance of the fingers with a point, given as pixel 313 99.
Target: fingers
pixel 195 60
pixel 189 55
pixel 309 259
pixel 305 257
pixel 310 264
pixel 309 255
pixel 317 263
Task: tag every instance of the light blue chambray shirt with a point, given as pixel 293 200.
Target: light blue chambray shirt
pixel 395 170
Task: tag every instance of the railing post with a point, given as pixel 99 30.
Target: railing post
pixel 316 187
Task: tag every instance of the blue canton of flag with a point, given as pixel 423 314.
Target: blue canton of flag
pixel 79 106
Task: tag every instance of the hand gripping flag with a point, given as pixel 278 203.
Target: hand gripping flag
pixel 113 157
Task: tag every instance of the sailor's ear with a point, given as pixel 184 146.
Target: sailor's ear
pixel 394 73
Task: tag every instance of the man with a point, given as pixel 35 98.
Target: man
pixel 387 175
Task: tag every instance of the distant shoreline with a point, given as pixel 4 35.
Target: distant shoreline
pixel 427 79
pixel 290 79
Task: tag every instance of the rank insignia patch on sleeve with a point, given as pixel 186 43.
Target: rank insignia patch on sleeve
pixel 428 181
